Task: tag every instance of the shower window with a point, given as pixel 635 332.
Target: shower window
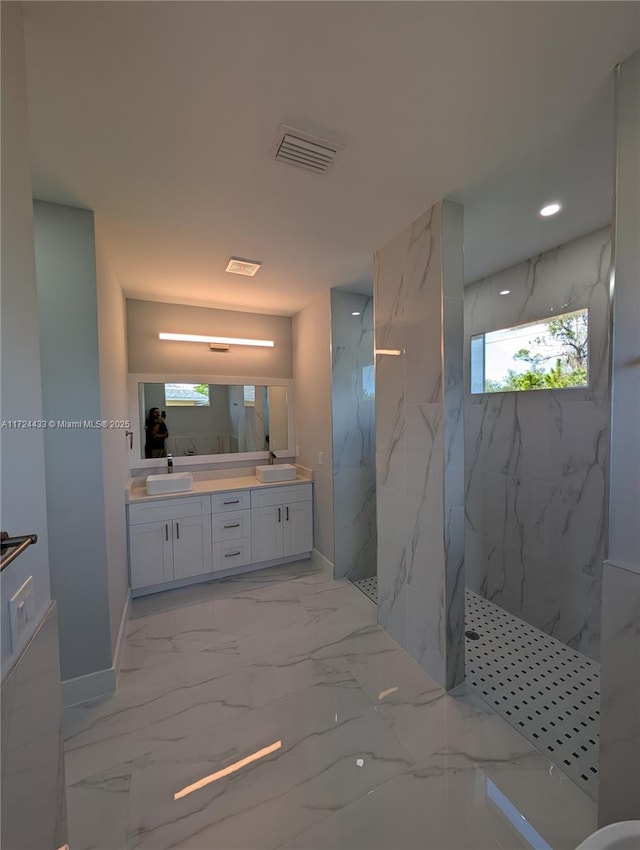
pixel 542 355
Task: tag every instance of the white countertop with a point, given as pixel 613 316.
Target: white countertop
pixel 137 491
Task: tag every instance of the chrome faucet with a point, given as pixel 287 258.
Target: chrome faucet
pixel 272 457
pixel 169 462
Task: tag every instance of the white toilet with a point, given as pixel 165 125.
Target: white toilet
pixel 624 835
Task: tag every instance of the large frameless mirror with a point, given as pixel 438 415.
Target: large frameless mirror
pixel 210 417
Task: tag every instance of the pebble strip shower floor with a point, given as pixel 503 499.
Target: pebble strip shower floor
pixel 549 692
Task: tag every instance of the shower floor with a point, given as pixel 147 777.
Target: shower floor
pixel 549 692
pixel 369 586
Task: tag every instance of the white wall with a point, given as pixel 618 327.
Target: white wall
pixel 312 389
pixel 66 279
pixel 146 319
pixel 23 504
pixel 112 343
pixel 33 798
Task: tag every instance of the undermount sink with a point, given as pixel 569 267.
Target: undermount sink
pixel 277 472
pixel 174 482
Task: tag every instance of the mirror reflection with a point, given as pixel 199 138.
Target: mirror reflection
pixel 187 419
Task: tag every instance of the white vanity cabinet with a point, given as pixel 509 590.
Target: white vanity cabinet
pixel 281 522
pixel 169 540
pixel 231 524
pixel 185 539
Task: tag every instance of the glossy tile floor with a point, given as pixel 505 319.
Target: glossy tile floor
pixel 270 711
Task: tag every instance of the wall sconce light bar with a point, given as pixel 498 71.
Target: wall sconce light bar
pixel 222 340
pixel 392 352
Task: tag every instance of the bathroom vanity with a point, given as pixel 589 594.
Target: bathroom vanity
pixel 223 526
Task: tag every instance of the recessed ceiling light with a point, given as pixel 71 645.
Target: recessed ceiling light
pixel 356 313
pixel 237 265
pixel 505 291
pixel 550 209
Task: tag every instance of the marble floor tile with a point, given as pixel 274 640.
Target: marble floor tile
pixel 98 808
pixel 305 726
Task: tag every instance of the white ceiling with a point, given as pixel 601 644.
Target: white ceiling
pixel 162 117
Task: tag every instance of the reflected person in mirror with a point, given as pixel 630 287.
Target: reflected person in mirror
pixel 156 433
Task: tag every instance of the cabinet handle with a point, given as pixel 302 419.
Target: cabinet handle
pixel 233 502
pixel 287 510
pixel 178 530
pixel 232 554
pixel 279 514
pixel 233 525
pixel 166 532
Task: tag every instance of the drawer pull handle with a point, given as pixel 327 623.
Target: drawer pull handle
pixel 233 525
pixel 279 514
pixel 178 529
pixel 287 510
pixel 232 502
pixel 232 554
pixel 166 531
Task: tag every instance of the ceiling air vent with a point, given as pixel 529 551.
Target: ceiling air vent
pixel 297 148
pixel 237 265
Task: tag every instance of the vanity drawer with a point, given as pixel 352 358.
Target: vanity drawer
pixel 234 500
pixel 280 495
pixel 231 525
pixel 231 553
pixel 169 509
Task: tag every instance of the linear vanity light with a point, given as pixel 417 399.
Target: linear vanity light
pixel 221 340
pixel 393 352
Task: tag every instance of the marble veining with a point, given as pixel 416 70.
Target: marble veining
pixel 372 752
pixel 419 440
pixel 537 463
pixel 354 455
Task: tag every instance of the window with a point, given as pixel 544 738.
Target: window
pixel 543 355
pixel 186 395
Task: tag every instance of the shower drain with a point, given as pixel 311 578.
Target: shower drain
pixel 369 586
pixel 543 688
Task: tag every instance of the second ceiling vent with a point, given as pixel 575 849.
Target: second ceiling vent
pixel 297 148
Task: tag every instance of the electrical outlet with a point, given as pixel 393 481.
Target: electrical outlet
pixel 21 612
pixel 320 458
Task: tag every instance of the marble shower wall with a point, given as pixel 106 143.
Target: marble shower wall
pixel 619 797
pixel 419 441
pixel 537 463
pixel 353 402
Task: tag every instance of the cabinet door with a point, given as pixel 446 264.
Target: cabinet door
pixel 266 533
pixel 298 528
pixel 151 550
pixel 191 546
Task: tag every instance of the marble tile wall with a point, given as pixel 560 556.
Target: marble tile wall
pixel 353 403
pixel 620 678
pixel 33 776
pixel 619 797
pixel 537 463
pixel 419 441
